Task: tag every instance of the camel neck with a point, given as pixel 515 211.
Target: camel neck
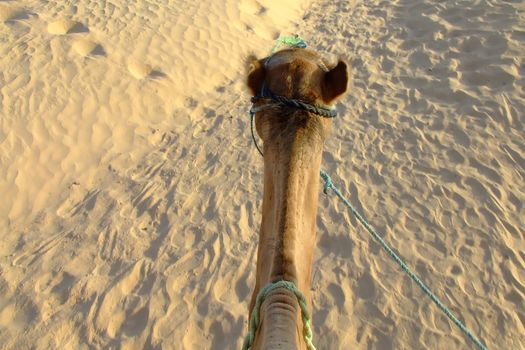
pixel 291 190
pixel 292 211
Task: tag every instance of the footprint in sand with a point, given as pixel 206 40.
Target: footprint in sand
pixel 139 70
pixel 12 13
pixel 66 26
pixel 82 46
pixel 86 47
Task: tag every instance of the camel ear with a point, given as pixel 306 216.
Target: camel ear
pixel 256 75
pixel 335 82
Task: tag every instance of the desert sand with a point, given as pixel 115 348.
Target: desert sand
pixel 131 193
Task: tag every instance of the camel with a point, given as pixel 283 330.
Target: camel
pixel 293 141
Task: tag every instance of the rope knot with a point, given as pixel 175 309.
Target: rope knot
pixel 327 182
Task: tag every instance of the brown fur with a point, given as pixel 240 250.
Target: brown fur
pixel 293 143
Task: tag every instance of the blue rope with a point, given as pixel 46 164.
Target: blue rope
pixel 329 185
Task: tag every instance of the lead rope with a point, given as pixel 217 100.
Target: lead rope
pixel 329 185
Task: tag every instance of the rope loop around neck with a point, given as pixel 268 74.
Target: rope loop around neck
pixel 255 319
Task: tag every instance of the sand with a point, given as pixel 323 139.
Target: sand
pixel 131 193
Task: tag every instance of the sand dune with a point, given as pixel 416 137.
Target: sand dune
pixel 132 193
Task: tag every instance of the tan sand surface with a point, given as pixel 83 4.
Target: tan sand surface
pixel 131 193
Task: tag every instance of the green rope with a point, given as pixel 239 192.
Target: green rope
pixel 329 185
pixel 293 41
pixel 255 319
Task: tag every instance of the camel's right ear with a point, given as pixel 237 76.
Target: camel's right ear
pixel 335 82
pixel 256 74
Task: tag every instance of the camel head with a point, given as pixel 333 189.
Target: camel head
pixel 296 74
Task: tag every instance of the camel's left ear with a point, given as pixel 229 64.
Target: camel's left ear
pixel 256 74
pixel 335 82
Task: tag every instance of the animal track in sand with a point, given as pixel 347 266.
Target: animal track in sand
pixel 66 26
pixel 366 288
pixel 253 7
pixel 139 70
pixel 86 47
pixel 11 13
